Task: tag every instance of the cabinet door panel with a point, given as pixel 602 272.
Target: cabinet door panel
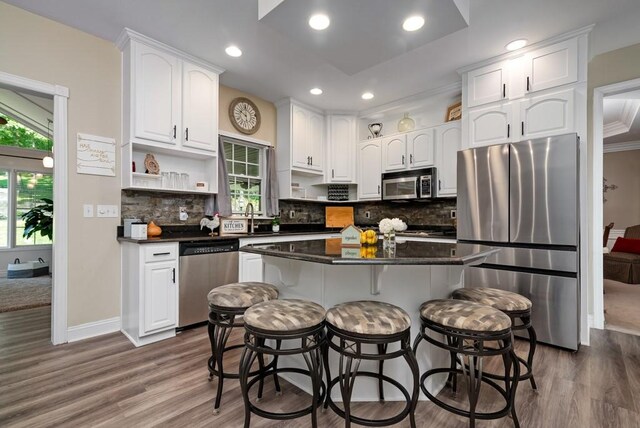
pixel 200 107
pixel 553 66
pixel 491 125
pixel 547 115
pixel 448 143
pixel 394 153
pixel 157 95
pixel 251 268
pixel 421 148
pixel 486 84
pixel 315 139
pixel 299 145
pixel 341 143
pixel 160 297
pixel 369 170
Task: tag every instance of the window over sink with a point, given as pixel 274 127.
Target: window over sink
pixel 245 166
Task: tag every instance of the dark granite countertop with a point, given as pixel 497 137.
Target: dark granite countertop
pixel 329 251
pixel 199 237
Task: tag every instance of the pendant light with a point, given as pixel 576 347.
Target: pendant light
pixel 47 161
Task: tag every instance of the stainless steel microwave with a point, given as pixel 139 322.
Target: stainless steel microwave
pixel 409 185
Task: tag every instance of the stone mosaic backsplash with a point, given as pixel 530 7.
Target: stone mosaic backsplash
pixel 163 209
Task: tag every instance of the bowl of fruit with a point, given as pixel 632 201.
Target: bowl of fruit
pixel 369 237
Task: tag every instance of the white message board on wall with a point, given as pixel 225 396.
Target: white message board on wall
pixel 96 155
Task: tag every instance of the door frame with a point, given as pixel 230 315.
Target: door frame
pixel 596 209
pixel 60 247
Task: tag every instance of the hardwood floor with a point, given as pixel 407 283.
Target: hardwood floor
pixel 107 382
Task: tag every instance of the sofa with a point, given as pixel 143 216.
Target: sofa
pixel 621 265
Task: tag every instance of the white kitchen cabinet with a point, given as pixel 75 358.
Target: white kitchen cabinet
pixel 369 170
pixel 490 125
pixel 299 144
pixel 547 115
pixel 250 267
pixel 448 142
pixel 420 146
pixel 149 310
pixel 300 132
pixel 341 147
pixel 487 84
pixel 315 141
pixel 156 80
pixel 551 66
pixel 394 153
pixel 200 107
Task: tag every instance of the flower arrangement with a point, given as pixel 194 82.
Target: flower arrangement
pixel 389 225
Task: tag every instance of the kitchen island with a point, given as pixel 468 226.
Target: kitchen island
pixel 324 272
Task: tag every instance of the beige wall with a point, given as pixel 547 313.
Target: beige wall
pixel 267 129
pixel 41 49
pixel 623 204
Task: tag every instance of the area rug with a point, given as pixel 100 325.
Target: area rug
pixel 24 293
pixel 622 303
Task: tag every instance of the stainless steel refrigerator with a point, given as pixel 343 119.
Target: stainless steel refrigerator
pixel 524 198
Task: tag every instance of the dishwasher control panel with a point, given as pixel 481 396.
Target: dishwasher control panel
pixel 194 248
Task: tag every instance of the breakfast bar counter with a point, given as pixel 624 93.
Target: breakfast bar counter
pixel 324 272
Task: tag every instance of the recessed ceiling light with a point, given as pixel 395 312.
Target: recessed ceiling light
pixel 516 44
pixel 413 23
pixel 367 96
pixel 319 21
pixel 233 51
pixel 316 91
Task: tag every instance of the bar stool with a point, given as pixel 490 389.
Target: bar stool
pixel 226 303
pixel 466 327
pixel 279 320
pixel 518 308
pixel 360 323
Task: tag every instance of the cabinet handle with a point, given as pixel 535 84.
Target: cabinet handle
pixel 187 134
pixel 162 254
pixel 378 189
pixel 173 273
pixel 312 160
pixel 508 130
pixel 402 159
pixel 439 185
pixel 504 90
pixel 333 175
pixel 522 128
pixel 411 159
pixel 528 84
pixel 308 157
pixel 174 132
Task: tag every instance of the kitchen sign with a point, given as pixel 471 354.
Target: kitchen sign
pixel 96 155
pixel 229 226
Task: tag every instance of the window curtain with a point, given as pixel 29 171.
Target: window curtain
pixel 220 203
pixel 271 194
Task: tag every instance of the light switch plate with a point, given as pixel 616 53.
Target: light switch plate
pixel 107 210
pixel 87 210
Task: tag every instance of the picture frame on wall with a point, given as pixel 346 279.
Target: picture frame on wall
pixel 454 112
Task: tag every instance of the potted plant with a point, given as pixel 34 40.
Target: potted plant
pixel 275 224
pixel 39 219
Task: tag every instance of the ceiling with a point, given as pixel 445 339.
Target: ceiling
pixel 621 115
pixel 34 112
pixel 278 62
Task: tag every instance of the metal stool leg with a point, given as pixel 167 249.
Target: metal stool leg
pixel 382 349
pixel 219 342
pixel 533 340
pixel 410 357
pixel 247 359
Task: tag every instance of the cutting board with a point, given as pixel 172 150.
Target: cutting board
pixel 338 216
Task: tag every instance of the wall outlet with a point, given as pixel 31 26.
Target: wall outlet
pixel 453 214
pixel 367 214
pixel 107 210
pixel 87 210
pixel 292 214
pixel 183 213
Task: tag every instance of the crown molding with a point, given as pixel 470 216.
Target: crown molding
pixel 621 147
pixel 624 121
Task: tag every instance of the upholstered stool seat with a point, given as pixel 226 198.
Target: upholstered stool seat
pixel 355 324
pixel 284 315
pixel 288 320
pixel 516 307
pixel 367 317
pixel 241 294
pixel 227 303
pixel 465 315
pixel 473 331
pixel 494 297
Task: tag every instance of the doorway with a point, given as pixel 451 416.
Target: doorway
pixel 59 247
pixel 616 140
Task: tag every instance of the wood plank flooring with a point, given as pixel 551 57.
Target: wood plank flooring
pixel 107 382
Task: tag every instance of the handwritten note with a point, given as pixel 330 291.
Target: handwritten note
pixel 96 155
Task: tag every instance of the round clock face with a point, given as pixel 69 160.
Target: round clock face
pixel 244 115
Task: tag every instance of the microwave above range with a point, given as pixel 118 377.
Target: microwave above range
pixel 409 185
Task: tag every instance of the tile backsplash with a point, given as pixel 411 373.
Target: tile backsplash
pixel 163 209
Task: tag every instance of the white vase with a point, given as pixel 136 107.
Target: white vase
pixel 406 124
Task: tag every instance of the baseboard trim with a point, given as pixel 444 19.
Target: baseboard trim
pixel 93 329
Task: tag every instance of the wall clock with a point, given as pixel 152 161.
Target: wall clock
pixel 244 115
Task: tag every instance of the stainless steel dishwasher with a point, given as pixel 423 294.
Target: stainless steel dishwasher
pixel 203 266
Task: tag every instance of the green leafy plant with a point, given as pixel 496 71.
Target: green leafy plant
pixel 39 219
pixel 275 221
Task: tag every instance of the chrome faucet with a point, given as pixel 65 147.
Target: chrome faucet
pixel 246 214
